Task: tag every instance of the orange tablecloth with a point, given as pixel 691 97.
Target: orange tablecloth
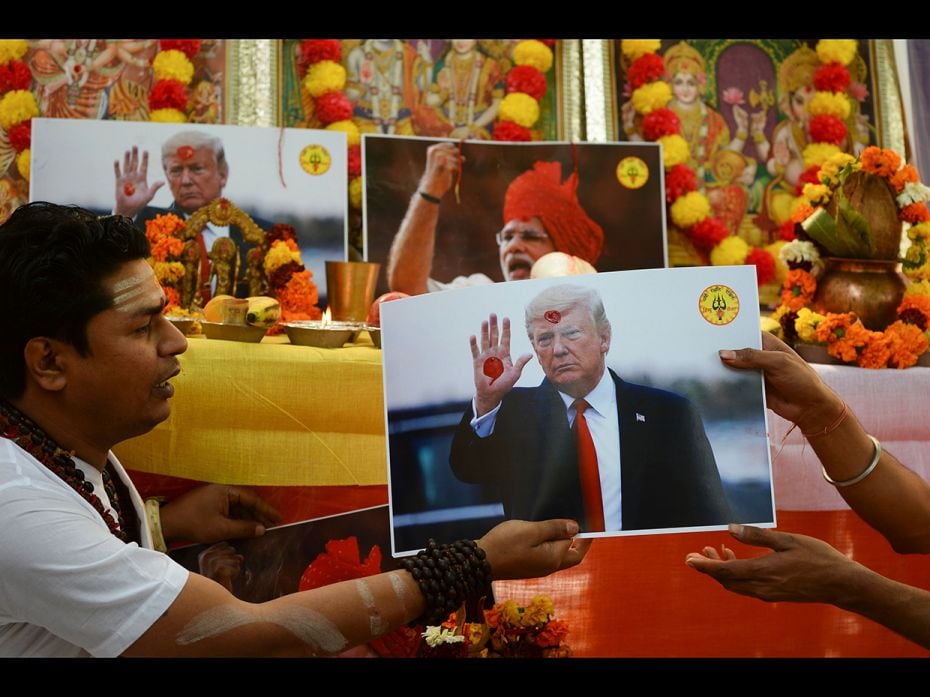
pixel 312 421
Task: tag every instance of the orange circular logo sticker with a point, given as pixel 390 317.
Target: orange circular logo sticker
pixel 632 172
pixel 719 305
pixel 315 159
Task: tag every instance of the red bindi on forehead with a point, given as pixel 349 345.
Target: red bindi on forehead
pixel 553 316
pixel 185 152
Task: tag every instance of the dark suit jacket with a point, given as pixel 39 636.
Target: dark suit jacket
pixel 235 234
pixel 667 470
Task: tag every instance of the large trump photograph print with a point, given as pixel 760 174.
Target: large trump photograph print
pixel 599 398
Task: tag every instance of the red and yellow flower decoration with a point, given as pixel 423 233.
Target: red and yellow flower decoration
pixel 18 106
pixel 324 78
pixel 843 334
pixel 688 208
pixel 163 233
pixel 509 631
pixel 290 281
pixel 173 67
pixel 525 86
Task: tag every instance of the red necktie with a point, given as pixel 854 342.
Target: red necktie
pixel 205 293
pixel 588 473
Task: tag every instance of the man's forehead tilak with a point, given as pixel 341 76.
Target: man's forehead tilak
pixel 137 291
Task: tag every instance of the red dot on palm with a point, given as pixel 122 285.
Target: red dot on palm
pixel 493 368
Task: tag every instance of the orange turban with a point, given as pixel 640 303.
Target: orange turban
pixel 540 193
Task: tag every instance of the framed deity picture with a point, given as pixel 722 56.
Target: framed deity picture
pixel 743 108
pixel 482 409
pixel 105 79
pixel 428 87
pixel 601 203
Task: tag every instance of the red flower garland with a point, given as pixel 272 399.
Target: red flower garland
pixel 20 135
pixel 355 160
pixel 708 233
pixel 832 77
pixel 169 94
pixel 660 122
pixel 527 79
pixel 189 47
pixel 332 107
pixel 828 129
pixel 765 264
pixel 15 76
pixel 508 130
pixel 316 50
pixel 647 68
pixel 679 180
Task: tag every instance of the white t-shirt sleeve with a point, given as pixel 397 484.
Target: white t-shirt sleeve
pixel 64 571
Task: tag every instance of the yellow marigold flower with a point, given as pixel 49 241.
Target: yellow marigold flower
pixel 167 116
pixel 920 231
pixel 634 48
pixel 806 325
pixel 918 288
pixel 689 209
pixel 279 255
pixel 829 104
pixel 324 76
pixel 919 273
pixel 542 604
pixel 731 252
pixel 520 108
pixel 534 54
pixel 770 325
pixel 781 268
pixel 816 154
pixel 817 194
pixel 17 106
pixel 837 50
pixel 510 613
pixel 173 65
pixel 654 95
pixel 353 137
pixel 355 193
pixel 169 272
pixel 22 164
pixel 675 150
pixel 832 167
pixel 12 49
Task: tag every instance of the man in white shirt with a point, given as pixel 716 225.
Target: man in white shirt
pixel 638 458
pixel 86 361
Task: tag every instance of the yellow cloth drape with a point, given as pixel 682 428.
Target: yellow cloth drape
pixel 270 414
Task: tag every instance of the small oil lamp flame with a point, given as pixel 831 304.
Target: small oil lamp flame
pixel 327 318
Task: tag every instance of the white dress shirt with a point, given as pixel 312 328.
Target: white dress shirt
pixel 604 425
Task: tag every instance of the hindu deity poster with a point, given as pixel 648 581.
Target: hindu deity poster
pixel 600 203
pixel 429 87
pixel 745 111
pixel 480 387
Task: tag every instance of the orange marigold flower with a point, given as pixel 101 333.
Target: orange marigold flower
pixel 162 226
pixel 848 340
pixel 299 296
pixel 552 634
pixel 915 213
pixel 915 309
pixel 174 298
pixel 798 289
pixel 908 343
pixel 877 351
pixel 906 175
pixel 833 326
pixel 166 247
pixel 802 212
pixel 493 616
pixel 883 162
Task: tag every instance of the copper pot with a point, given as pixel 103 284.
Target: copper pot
pixel 872 288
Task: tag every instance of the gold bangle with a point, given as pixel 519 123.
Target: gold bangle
pixel 153 518
pixel 865 473
pixel 759 137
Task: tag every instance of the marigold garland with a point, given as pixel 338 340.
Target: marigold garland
pixel 841 51
pixel 675 151
pixel 525 86
pixel 647 68
pixel 649 97
pixel 325 76
pixel 17 106
pixel 661 122
pixel 634 48
pixel 690 209
pixel 20 135
pixel 829 104
pixel 173 67
pixel 731 251
pixel 22 164
pixel 353 136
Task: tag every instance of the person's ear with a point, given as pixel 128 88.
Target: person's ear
pixel 44 363
pixel 605 341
